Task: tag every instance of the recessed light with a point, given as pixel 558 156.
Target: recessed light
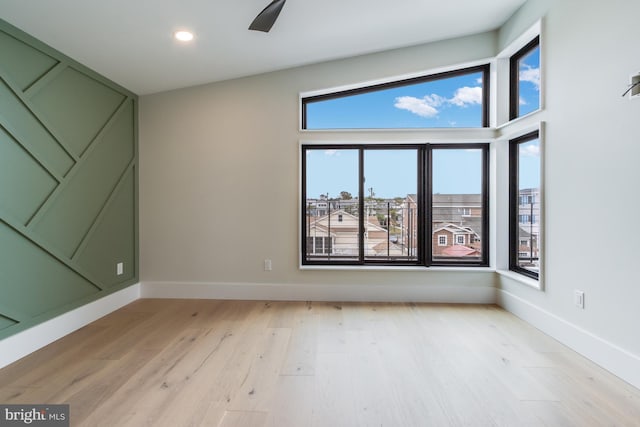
pixel 183 36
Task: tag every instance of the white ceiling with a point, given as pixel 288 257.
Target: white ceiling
pixel 130 41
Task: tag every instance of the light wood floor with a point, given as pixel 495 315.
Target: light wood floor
pixel 233 363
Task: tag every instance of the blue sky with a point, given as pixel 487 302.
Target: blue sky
pixel 529 73
pixel 457 171
pixel 449 102
pixel 529 164
pixel 391 173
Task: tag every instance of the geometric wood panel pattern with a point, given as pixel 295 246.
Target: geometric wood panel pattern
pixel 68 183
pixel 76 107
pixel 27 63
pixel 25 127
pixel 108 242
pixel 58 221
pixel 17 165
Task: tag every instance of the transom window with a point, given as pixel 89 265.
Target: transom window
pixel 395 204
pixel 455 99
pixel 524 93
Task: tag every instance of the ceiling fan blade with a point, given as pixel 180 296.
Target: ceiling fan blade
pixel 265 19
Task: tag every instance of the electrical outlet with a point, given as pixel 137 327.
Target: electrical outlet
pixel 267 265
pixel 120 268
pixel 578 298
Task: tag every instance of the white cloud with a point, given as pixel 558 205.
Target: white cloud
pixel 427 106
pixel 530 74
pixel 435 100
pixel 330 152
pixel 467 95
pixel 522 101
pixel 530 150
pixel 423 107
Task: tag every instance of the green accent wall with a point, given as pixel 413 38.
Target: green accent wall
pixel 68 183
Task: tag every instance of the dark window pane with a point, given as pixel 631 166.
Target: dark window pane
pixel 457 205
pixel 525 80
pixel 332 210
pixel 378 197
pixel 528 227
pixel 391 180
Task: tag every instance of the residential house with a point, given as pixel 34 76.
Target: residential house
pixel 452 240
pixel 456 221
pixel 529 226
pixel 337 235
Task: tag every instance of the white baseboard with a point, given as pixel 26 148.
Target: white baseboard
pixel 616 360
pixel 611 357
pixel 307 292
pixel 23 343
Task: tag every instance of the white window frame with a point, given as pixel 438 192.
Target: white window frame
pixel 501 102
pixel 501 147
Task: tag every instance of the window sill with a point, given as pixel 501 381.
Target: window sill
pixel 520 119
pixel 395 268
pixel 517 277
pixel 484 134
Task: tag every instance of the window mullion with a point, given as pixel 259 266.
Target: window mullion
pixel 427 208
pixel 361 214
pixel 514 203
pixel 485 206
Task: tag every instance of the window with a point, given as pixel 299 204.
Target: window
pixel 389 176
pixel 458 185
pixel 381 222
pixel 524 223
pixel 323 210
pixel 385 202
pixel 524 92
pixel 394 203
pixel 456 99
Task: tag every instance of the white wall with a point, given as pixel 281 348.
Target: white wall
pixel 219 173
pixel 591 173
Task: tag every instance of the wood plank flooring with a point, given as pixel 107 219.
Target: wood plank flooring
pixel 248 363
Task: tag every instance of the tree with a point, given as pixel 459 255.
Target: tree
pixel 345 195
